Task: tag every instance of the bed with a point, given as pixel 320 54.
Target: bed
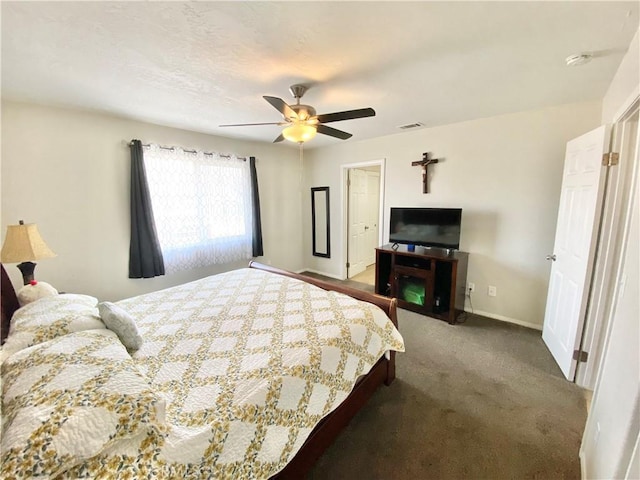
pixel 247 374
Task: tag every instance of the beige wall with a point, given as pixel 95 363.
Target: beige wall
pixel 68 171
pixel 625 85
pixel 504 172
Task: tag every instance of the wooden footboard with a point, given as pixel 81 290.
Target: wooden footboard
pixel 382 372
pixel 385 303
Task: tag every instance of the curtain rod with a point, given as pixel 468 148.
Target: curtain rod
pixel 191 151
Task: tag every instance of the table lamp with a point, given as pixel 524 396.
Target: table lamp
pixel 23 243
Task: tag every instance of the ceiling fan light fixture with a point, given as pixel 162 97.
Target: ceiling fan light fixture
pixel 299 132
pixel 302 123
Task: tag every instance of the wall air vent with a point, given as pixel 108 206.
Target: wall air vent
pixel 411 125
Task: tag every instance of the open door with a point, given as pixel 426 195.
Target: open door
pixel 373 213
pixel 583 183
pixel 363 193
pixel 357 248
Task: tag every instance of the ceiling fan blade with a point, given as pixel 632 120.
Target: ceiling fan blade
pixel 279 139
pixel 346 115
pixel 333 132
pixel 281 106
pixel 252 124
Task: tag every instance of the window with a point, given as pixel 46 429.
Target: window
pixel 202 206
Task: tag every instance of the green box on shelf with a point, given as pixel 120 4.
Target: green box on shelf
pixel 413 293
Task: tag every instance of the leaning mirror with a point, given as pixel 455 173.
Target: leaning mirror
pixel 320 221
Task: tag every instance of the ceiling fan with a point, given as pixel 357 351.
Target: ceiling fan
pixel 301 120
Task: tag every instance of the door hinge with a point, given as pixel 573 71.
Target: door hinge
pixel 610 159
pixel 580 356
pixel 348 265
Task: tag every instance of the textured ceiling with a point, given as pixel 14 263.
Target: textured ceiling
pixel 198 65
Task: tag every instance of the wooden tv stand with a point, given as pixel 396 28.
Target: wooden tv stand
pixel 430 281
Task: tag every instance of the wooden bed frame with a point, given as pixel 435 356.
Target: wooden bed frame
pixel 330 427
pixel 8 303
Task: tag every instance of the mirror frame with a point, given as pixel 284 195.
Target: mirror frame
pixel 315 190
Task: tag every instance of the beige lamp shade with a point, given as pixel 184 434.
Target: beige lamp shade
pixel 23 243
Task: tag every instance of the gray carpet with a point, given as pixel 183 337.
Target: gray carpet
pixel 480 400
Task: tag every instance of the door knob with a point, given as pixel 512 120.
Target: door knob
pixel 551 257
pixel 366 227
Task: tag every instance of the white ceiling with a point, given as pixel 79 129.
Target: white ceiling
pixel 198 65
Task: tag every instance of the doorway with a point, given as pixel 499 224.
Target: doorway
pixel 362 207
pixel 616 211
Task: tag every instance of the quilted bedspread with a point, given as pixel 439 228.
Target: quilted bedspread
pixel 248 362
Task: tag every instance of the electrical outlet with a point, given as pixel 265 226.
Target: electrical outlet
pixel 471 287
pixel 492 291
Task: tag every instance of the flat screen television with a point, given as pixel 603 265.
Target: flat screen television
pixel 428 227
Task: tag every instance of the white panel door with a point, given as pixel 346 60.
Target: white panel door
pixel 576 236
pixel 357 221
pixel 373 214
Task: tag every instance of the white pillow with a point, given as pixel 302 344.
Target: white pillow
pixel 51 317
pixel 67 400
pixel 124 325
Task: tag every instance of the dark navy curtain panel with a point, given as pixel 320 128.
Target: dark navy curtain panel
pixel 257 225
pixel 145 255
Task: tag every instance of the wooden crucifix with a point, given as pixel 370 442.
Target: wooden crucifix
pixel 424 163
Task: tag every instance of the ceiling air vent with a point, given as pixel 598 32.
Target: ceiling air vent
pixel 411 125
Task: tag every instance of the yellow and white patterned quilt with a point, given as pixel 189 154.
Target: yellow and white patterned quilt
pixel 249 362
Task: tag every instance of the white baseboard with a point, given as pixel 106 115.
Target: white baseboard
pixel 502 318
pixel 583 464
pixel 331 275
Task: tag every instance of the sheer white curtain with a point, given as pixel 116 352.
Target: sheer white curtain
pixel 201 205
